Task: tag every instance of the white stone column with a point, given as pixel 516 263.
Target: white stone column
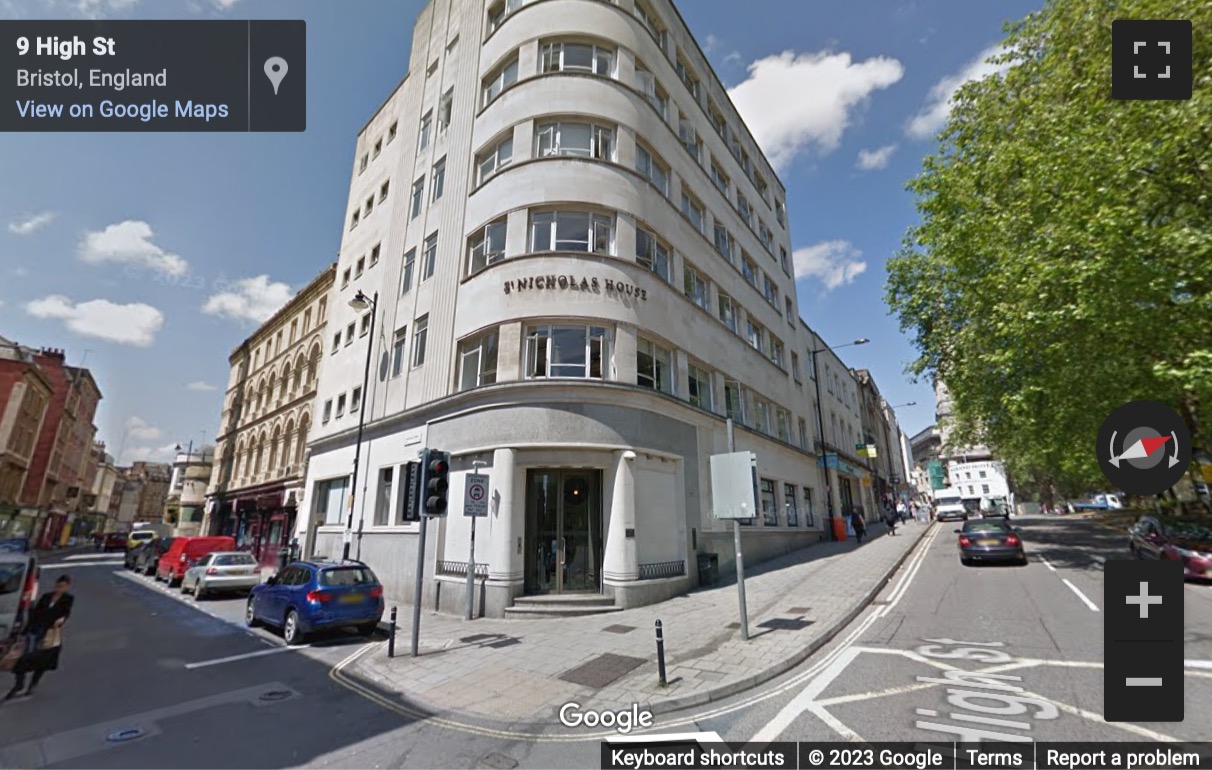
pixel 620 562
pixel 506 522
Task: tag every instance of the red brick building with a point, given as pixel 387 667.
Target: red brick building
pixel 25 396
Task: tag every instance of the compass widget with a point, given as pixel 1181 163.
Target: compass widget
pixel 1144 447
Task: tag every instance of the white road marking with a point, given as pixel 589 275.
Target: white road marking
pixel 1047 563
pixel 1099 559
pixel 841 729
pixel 1093 607
pixel 231 658
pixel 94 556
pixel 70 564
pixel 1205 664
pixel 801 702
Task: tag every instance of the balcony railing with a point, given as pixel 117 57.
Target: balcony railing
pixel 660 569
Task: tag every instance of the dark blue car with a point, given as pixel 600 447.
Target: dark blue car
pixel 310 596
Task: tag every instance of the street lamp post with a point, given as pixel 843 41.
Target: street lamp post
pixel 820 422
pixel 360 302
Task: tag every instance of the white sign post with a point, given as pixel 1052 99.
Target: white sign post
pixel 475 505
pixel 734 496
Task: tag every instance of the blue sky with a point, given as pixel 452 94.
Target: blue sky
pixel 150 256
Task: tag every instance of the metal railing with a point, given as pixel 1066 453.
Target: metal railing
pixel 663 569
pixel 459 569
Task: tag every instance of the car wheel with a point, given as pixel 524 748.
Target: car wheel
pixel 291 632
pixel 184 587
pixel 199 591
pixel 368 629
pixel 250 614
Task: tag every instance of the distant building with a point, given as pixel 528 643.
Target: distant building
pixel 972 469
pixel 144 493
pixel 185 507
pixel 25 394
pixel 105 481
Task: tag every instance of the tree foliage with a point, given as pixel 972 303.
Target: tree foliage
pixel 1063 263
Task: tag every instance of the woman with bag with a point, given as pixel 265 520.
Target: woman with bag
pixel 43 637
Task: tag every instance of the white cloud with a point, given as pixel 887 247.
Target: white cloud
pixel 165 453
pixel 791 102
pixel 1 303
pixel 225 5
pixel 733 57
pixel 31 224
pixel 833 263
pixel 20 272
pixel 933 116
pixel 141 430
pixel 710 43
pixel 133 324
pixel 873 160
pixel 198 385
pixel 249 299
pixel 130 242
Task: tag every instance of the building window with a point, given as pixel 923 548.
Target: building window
pixel 409 262
pixel 576 57
pixel 784 260
pixel 654 366
pixel 567 351
pixel 494 159
pixel 650 22
pixel 391 132
pixel 418 197
pixel 755 335
pixel 370 205
pixel 349 334
pixel 749 269
pixel 378 147
pixel 398 344
pixel 985 489
pixel 500 11
pixel 742 207
pixel 771 291
pixel 362 164
pixel 687 77
pixel 765 235
pixel 689 138
pixel 383 188
pixel 336 342
pixel 353 220
pixel 808 519
pixel 699 390
pixel 789 311
pixel 478 361
pixel 345 278
pixel 653 169
pixel 330 499
pixel 795 365
pixel 327 414
pixel 982 474
pixel 777 354
pixel 503 78
pixel 355 399
pixel 652 253
pixel 780 213
pixel 571 231
pixel 439 179
pixel 445 110
pixel 802 424
pixel 426 127
pixel 790 507
pixel 760 182
pixel 365 328
pixel 582 140
pixel 340 405
pixel 722 241
pixel 720 179
pixel 693 285
pixel 383 498
pixel 420 334
pixel 761 413
pixel 734 404
pixel 694 212
pixel 429 256
pixel 360 266
pixel 770 514
pixel 782 423
pixel 646 83
pixel 728 312
pixel 486 246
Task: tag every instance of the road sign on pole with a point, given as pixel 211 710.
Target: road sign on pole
pixel 475 495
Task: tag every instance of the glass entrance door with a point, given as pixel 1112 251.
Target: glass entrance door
pixel 563 531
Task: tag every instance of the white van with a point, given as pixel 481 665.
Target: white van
pixel 949 504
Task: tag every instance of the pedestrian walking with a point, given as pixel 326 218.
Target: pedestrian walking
pixel 902 510
pixel 891 521
pixel 860 526
pixel 43 637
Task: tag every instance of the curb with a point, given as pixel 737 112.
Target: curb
pixel 827 635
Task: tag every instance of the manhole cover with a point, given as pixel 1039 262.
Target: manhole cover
pixel 129 734
pixel 273 695
pixel 497 761
pixel 602 670
pixel 618 629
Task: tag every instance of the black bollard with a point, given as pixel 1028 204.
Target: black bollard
pixel 660 653
pixel 391 639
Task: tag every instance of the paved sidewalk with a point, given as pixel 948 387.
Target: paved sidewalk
pixel 519 671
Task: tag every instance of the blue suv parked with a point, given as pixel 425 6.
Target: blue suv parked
pixel 310 596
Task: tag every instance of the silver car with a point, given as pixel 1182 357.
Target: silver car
pixel 221 571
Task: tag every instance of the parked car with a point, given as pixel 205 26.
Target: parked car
pixel 222 571
pixel 184 552
pixel 309 596
pixel 18 587
pixel 147 556
pixel 139 537
pixel 114 541
pixel 990 540
pixel 1185 540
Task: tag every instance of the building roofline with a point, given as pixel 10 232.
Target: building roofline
pixel 390 96
pixel 292 304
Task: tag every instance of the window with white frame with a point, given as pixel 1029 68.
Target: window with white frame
pixel 370 205
pixel 734 401
pixel 423 133
pixel 398 344
pixel 327 412
pixel 345 278
pixel 336 342
pixel 504 76
pixel 420 335
pixel 770 511
pixel 359 267
pixel 439 179
pixel 648 164
pixel 567 351
pixel 365 328
pixel 383 496
pixel 349 333
pixel 355 399
pixel 728 315
pixel 689 138
pixel 486 246
pixel 355 219
pixel 770 290
pixel 782 422
pixel 749 269
pixel 409 264
pixel 795 365
pixel 330 499
pixel 571 231
pixel 699 391
pixel 418 198
pixel 374 254
pixel 363 163
pixel 654 366
pixel 429 256
pixel 760 413
pixel 391 132
pixel 446 109
pixel 783 259
pixel 494 159
pixel 742 207
pixel 789 311
pixel 647 84
pixel 802 424
pixel 582 140
pixel 478 360
pixel 693 285
pixel 576 57
pixel 694 211
pixel 755 335
pixel 383 188
pixel 722 242
pixel 340 405
pixel 652 253
pixel 765 235
pixel 763 189
pixel 720 179
pixel 650 21
pixel 500 11
pixel 686 75
pixel 378 147
pixel 791 509
pixel 777 353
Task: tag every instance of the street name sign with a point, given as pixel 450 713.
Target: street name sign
pixel 475 495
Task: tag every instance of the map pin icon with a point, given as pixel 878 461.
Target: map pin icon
pixel 275 70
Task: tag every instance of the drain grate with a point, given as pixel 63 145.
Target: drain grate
pixel 121 736
pixel 274 695
pixel 618 629
pixel 602 670
pixel 799 610
pixel 498 761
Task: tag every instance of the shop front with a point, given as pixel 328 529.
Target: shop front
pixel 565 543
pixel 261 524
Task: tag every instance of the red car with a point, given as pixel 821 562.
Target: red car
pixel 185 552
pixel 1185 540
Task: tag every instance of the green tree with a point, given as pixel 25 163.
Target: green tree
pixel 1063 262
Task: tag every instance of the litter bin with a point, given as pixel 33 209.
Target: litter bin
pixel 709 569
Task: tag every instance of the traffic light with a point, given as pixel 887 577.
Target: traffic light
pixel 435 482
